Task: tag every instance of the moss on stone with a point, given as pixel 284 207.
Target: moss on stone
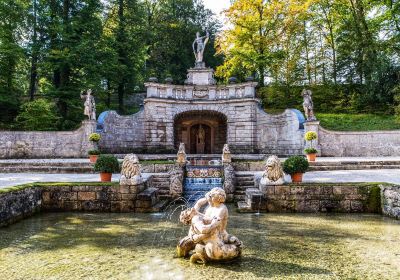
pixel 373 202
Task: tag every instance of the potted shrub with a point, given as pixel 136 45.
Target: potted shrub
pixel 296 166
pixel 310 151
pixel 93 155
pixel 106 165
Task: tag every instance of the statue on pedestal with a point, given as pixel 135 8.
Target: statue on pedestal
pixel 207 234
pixel 181 155
pixel 308 105
pixel 201 137
pixel 198 48
pixel 226 154
pixel 90 105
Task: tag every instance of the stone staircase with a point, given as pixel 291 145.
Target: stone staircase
pixel 149 201
pixel 244 180
pixel 161 182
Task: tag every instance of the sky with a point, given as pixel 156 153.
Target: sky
pixel 217 5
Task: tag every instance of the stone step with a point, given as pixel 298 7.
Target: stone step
pixel 47 169
pixel 245 183
pixel 243 207
pixel 350 167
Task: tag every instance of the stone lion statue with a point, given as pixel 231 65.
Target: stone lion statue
pixel 131 169
pixel 273 174
pixel 226 154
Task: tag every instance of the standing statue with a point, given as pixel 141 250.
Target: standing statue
pixel 207 234
pixel 199 49
pixel 201 134
pixel 273 174
pixel 181 155
pixel 308 105
pixel 226 154
pixel 90 105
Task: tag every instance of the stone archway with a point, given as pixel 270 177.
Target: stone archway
pixel 203 132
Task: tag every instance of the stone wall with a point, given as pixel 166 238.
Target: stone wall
pixel 347 144
pixel 123 134
pixel 248 128
pixel 106 198
pixel 391 201
pixel 47 144
pixel 279 134
pixel 24 201
pixel 313 198
pixel 19 204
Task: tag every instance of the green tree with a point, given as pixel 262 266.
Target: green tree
pixel 39 114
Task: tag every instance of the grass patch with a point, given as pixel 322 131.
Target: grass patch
pixel 357 122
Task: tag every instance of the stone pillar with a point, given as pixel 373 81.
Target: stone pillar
pixel 128 190
pixel 176 175
pixel 313 126
pixel 229 181
pixel 88 127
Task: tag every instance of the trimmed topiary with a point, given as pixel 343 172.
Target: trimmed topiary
pixel 295 164
pixel 310 136
pixel 94 137
pixel 106 164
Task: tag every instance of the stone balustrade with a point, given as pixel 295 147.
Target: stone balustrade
pixel 195 92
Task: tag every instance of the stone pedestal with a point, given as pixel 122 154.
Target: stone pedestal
pixel 200 76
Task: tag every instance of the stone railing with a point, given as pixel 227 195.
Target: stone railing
pixel 208 92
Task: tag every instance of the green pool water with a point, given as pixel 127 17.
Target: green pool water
pixel 142 246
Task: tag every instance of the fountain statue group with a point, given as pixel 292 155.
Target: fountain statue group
pixel 208 239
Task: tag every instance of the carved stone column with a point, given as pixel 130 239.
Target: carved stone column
pixel 229 181
pixel 176 175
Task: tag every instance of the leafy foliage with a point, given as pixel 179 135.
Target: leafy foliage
pixel 94 137
pixel 94 152
pixel 106 164
pixel 310 151
pixel 295 164
pixel 310 136
pixel 39 114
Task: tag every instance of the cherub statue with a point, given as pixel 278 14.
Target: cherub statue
pixel 226 154
pixel 207 235
pixel 308 105
pixel 90 105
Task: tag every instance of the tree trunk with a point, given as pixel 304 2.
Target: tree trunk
pixel 34 59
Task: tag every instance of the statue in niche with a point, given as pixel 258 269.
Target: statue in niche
pixel 207 234
pixel 308 105
pixel 90 105
pixel 181 155
pixel 273 174
pixel 201 135
pixel 226 154
pixel 199 46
